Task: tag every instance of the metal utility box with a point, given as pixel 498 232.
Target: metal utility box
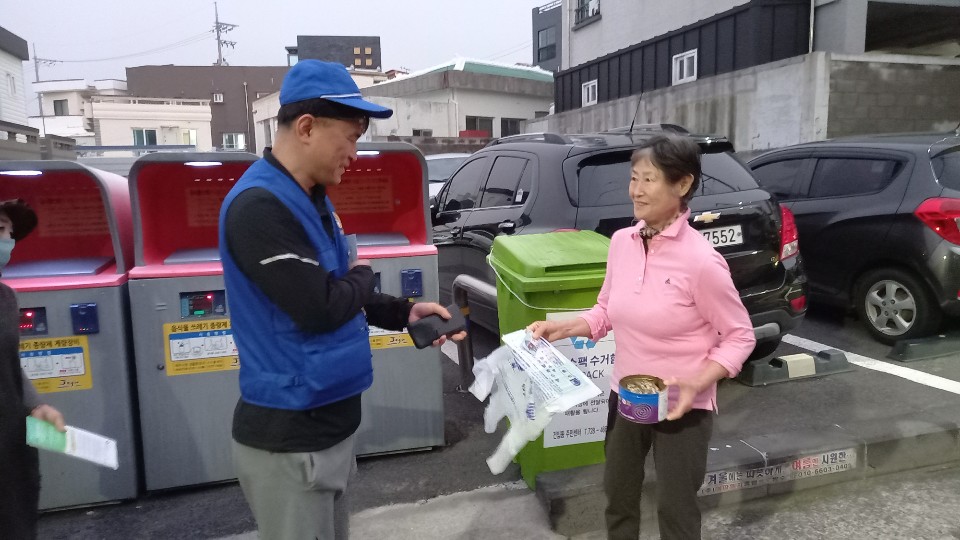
pixel 70 276
pixel 382 199
pixel 185 355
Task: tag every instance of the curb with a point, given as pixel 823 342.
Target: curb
pixel 774 464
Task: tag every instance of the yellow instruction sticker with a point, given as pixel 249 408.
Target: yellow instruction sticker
pixel 58 364
pixel 381 338
pixel 390 341
pixel 199 347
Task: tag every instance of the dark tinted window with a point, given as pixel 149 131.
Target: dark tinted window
pixel 464 187
pixel 503 182
pixel 721 173
pixel 836 177
pixel 778 177
pixel 604 179
pixel 526 185
pixel 947 169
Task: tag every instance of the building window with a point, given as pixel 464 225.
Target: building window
pixel 588 93
pixel 510 126
pixel 60 107
pixel 356 61
pixel 188 136
pixel 218 97
pixel 423 133
pixel 234 141
pixel 685 67
pixel 368 50
pixel 368 62
pixel 267 134
pixel 292 59
pixel 144 137
pixel 356 50
pixel 547 44
pixel 585 9
pixel 480 123
pixel 12 82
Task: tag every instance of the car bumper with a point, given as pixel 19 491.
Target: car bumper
pixel 771 325
pixel 943 265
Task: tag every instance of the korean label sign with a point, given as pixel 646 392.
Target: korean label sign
pixel 808 466
pixel 388 339
pixel 199 347
pixel 587 421
pixel 59 364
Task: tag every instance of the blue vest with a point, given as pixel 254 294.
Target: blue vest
pixel 281 366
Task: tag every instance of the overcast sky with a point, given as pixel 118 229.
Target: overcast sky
pixel 414 34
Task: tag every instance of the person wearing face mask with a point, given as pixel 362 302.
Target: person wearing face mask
pixel 19 468
pixel 677 316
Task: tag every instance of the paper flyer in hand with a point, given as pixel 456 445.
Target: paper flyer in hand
pixel 557 383
pixel 75 442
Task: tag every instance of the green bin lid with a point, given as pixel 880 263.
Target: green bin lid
pixel 569 259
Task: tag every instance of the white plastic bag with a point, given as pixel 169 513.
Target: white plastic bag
pixel 528 382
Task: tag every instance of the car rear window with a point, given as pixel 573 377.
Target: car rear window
pixel 722 173
pixel 840 177
pixel 604 179
pixel 946 167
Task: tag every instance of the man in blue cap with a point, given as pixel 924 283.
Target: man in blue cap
pixel 299 308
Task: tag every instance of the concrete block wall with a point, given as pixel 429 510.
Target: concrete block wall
pixel 759 108
pixel 891 94
pixel 439 145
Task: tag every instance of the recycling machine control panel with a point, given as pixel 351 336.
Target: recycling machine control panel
pixel 202 304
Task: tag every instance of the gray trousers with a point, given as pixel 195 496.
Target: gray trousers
pixel 680 459
pixel 297 495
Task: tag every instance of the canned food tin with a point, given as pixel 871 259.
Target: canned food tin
pixel 643 399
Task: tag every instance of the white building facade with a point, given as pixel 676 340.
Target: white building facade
pixel 461 98
pixel 102 114
pixel 13 97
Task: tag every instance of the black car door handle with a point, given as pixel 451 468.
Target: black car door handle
pixel 507 227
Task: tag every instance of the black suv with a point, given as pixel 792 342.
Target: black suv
pixel 538 183
pixel 878 219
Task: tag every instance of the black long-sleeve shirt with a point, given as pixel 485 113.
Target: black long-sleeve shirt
pixel 272 249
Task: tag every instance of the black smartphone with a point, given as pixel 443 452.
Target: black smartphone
pixel 428 329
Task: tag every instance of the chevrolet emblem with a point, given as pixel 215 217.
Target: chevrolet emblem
pixel 706 217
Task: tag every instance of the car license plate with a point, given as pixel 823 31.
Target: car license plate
pixel 724 236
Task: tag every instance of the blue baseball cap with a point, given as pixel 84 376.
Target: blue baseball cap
pixel 311 79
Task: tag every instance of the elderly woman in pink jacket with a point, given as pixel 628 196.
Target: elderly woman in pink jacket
pixel 677 316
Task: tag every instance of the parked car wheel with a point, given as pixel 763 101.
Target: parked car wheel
pixel 895 305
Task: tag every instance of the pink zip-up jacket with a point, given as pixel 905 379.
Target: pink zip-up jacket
pixel 673 308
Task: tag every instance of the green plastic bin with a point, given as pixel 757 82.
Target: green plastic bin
pixel 539 274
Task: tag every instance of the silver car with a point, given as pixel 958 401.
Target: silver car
pixel 440 167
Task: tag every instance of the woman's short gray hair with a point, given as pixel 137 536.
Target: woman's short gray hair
pixel 675 156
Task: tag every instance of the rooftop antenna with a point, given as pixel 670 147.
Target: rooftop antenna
pixel 636 112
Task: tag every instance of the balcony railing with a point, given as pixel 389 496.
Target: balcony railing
pixel 552 5
pixel 149 101
pixel 585 10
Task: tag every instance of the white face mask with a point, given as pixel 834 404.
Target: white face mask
pixel 6 248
